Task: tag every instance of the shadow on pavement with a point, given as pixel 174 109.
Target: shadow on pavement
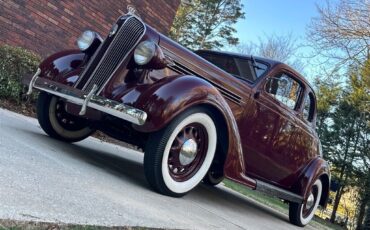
pixel 120 166
pixel 115 165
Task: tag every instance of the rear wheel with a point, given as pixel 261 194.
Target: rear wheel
pixel 178 157
pixel 57 123
pixel 301 213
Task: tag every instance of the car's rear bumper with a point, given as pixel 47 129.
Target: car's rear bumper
pixel 84 99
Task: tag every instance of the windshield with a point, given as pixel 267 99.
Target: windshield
pixel 239 67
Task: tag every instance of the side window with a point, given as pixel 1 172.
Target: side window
pixel 238 67
pixel 284 89
pixel 245 69
pixel 309 107
pixel 260 68
pixel 228 64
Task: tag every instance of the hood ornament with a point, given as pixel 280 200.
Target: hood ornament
pixel 132 11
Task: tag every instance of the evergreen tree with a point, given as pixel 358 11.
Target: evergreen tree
pixel 207 24
pixel 344 131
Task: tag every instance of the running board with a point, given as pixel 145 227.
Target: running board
pixel 277 192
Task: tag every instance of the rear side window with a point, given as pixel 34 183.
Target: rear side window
pixel 309 107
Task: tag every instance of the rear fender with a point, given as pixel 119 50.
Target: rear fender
pixel 316 169
pixel 170 96
pixel 63 67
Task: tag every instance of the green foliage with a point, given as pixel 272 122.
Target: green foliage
pixel 15 63
pixel 328 96
pixel 343 124
pixel 207 24
pixel 360 87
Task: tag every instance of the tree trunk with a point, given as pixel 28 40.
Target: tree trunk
pixel 343 175
pixel 338 196
pixel 365 201
pixel 361 214
pixel 366 225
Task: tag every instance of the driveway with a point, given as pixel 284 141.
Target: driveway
pixel 97 183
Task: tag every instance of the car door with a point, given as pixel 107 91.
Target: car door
pixel 269 127
pixel 306 139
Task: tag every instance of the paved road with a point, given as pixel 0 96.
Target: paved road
pixel 97 183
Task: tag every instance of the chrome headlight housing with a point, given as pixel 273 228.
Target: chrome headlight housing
pixel 144 52
pixel 86 39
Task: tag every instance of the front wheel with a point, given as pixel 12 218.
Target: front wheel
pixel 178 157
pixel 301 213
pixel 213 178
pixel 57 123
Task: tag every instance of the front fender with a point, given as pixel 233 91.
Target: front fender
pixel 170 96
pixel 317 168
pixel 63 67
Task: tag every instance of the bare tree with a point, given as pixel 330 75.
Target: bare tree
pixel 278 47
pixel 341 33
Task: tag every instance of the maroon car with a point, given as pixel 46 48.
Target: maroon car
pixel 198 116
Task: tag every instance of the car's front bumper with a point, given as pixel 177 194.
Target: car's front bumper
pixel 91 100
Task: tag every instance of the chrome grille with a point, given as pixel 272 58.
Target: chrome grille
pixel 128 35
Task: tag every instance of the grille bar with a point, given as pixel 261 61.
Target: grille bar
pixel 128 35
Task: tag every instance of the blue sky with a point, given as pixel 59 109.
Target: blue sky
pixel 280 17
pixel 275 16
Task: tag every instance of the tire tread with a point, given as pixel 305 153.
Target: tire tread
pixel 154 149
pixel 42 111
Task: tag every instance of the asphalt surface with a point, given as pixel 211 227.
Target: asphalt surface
pixel 96 183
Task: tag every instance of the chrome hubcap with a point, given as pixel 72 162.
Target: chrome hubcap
pixel 188 152
pixel 310 201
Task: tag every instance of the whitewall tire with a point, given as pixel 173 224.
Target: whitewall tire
pixel 178 157
pixel 302 214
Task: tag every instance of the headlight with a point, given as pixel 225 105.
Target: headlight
pixel 144 52
pixel 86 39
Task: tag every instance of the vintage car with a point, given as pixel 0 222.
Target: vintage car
pixel 198 116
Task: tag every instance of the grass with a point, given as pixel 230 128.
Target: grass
pixel 272 202
pixel 31 225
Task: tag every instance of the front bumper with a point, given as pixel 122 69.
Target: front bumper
pixel 91 100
